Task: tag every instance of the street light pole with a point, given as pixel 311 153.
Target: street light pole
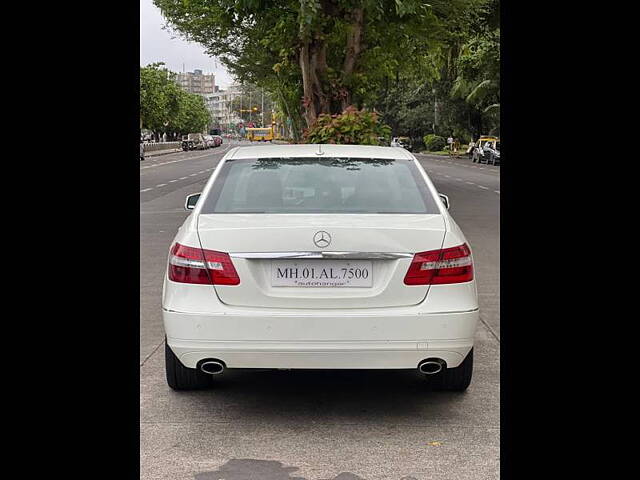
pixel 262 108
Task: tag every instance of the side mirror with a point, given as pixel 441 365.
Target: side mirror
pixel 191 201
pixel 445 200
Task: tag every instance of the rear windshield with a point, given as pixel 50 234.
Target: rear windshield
pixel 327 185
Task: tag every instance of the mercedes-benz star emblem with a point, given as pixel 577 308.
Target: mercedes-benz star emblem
pixel 322 239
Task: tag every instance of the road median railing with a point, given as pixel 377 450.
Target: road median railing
pixel 158 148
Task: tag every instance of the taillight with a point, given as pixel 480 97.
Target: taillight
pixel 437 267
pixel 196 265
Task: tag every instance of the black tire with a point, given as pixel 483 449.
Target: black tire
pixel 455 379
pixel 180 377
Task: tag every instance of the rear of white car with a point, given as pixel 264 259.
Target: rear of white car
pixel 330 257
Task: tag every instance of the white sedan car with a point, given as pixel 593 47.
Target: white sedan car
pixel 319 257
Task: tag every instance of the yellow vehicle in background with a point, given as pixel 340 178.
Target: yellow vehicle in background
pixel 260 134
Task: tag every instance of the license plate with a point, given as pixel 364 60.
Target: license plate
pixel 321 273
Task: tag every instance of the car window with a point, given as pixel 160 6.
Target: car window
pixel 328 185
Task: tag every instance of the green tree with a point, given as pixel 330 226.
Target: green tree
pixel 331 53
pixel 453 88
pixel 165 107
pixel 154 103
pixel 477 81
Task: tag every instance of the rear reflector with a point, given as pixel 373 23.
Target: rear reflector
pixel 438 267
pixel 196 265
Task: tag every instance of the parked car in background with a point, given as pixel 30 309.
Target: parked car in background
pixel 199 141
pixel 194 141
pixel 210 141
pixel 187 144
pixel 486 150
pixel 404 142
pixel 349 260
pixel 218 140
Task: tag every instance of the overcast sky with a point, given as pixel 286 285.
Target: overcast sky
pixel 158 45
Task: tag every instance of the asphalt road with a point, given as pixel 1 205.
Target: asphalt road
pixel 344 425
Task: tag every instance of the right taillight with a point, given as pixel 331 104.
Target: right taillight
pixel 437 267
pixel 197 265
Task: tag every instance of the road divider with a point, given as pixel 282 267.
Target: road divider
pixel 159 148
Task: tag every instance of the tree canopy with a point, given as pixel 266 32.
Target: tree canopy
pixel 425 66
pixel 167 108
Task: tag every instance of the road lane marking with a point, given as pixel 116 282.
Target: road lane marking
pixel 193 174
pixel 183 178
pixel 161 185
pixel 485 188
pixel 146 190
pixel 470 183
pixel 171 181
pixel 497 191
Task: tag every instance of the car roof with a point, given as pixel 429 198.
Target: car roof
pixel 311 150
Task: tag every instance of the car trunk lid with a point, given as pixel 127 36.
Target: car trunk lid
pixel 380 244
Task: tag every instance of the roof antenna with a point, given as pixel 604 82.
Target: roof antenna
pixel 319 152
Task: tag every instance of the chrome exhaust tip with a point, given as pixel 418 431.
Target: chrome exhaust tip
pixel 431 366
pixel 212 367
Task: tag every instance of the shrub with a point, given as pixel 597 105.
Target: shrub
pixel 351 127
pixel 434 143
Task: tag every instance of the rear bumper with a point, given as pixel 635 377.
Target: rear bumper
pixel 340 341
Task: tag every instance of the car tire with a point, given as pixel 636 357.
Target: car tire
pixel 455 379
pixel 180 377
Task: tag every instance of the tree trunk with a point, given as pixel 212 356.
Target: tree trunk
pixel 352 50
pixel 308 100
pixel 319 60
pixel 436 112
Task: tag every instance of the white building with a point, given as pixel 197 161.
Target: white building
pixel 225 105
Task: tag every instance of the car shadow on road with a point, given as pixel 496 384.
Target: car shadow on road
pixel 251 469
pixel 321 395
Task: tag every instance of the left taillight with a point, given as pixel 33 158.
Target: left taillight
pixel 439 267
pixel 197 265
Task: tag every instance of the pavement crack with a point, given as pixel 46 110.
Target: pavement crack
pixel 151 354
pixel 493 333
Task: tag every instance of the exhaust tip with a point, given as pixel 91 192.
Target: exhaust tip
pixel 212 367
pixel 431 366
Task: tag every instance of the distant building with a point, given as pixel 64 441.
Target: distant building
pixel 222 106
pixel 212 101
pixel 197 82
